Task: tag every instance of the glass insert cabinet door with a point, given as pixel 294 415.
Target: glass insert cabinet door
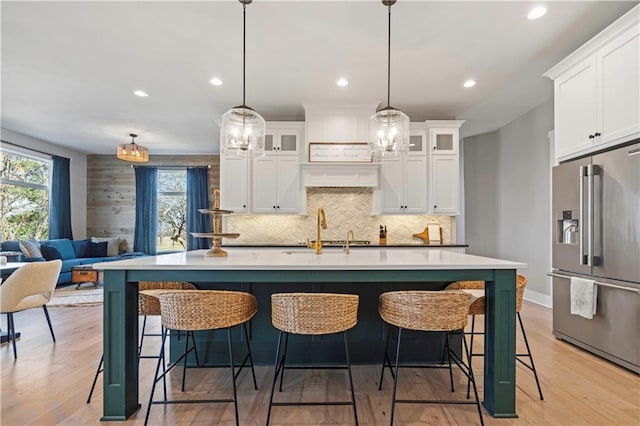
pixel 444 141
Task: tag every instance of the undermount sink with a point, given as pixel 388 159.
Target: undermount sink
pixel 325 250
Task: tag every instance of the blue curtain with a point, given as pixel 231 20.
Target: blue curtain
pixel 60 200
pixel 146 228
pixel 197 198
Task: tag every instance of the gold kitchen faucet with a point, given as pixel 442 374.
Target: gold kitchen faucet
pixel 321 222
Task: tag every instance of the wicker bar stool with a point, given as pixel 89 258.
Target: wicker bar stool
pixel 312 314
pixel 427 311
pixel 478 308
pixel 194 310
pixel 148 305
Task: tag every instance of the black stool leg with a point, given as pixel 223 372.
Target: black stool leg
pixel 233 375
pixel 144 326
pixel 284 358
pixel 46 314
pixel 12 333
pixel 155 377
pixel 195 349
pixel 385 360
pixel 472 379
pixel 184 369
pixel 448 347
pixel 95 378
pixel 253 373
pixel 353 395
pixel 533 367
pixel 473 328
pixel 276 371
pixel 395 381
pixel 164 366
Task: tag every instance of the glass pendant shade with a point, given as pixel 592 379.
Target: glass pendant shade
pixel 389 132
pixel 133 152
pixel 242 132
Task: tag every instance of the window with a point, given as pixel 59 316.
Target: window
pixel 24 196
pixel 172 210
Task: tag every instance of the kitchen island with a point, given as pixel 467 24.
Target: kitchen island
pixel 263 271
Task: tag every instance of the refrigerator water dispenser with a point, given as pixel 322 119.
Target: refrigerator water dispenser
pixel 567 232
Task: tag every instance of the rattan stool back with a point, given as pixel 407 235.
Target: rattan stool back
pixel 314 313
pixel 148 303
pixel 478 305
pixel 205 309
pixel 425 310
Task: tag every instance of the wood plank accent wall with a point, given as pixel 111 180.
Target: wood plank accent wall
pixel 111 192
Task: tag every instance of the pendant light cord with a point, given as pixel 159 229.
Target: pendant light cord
pixel 389 61
pixel 244 48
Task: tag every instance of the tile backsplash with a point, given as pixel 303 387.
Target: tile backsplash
pixel 346 209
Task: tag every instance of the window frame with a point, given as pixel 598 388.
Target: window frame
pixel 171 194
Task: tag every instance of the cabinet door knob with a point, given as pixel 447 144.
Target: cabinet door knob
pixel 435 207
pixel 244 206
pixel 596 134
pixel 274 207
pixel 277 207
pixel 591 136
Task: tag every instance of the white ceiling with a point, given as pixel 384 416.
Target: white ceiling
pixel 69 69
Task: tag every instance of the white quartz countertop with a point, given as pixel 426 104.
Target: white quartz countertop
pixel 307 259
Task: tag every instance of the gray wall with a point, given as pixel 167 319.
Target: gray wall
pixel 507 196
pixel 77 170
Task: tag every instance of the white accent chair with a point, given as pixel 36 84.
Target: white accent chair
pixel 30 286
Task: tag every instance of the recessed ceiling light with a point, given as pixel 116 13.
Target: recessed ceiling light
pixel 342 82
pixel 141 93
pixel 469 83
pixel 537 12
pixel 216 82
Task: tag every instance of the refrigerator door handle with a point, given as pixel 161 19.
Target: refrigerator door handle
pixel 581 227
pixel 590 215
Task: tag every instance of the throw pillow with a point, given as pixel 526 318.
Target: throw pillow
pixel 80 247
pixel 64 247
pixel 96 249
pixel 50 252
pixel 30 248
pixel 113 244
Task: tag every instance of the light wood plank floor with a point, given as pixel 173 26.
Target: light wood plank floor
pixel 49 383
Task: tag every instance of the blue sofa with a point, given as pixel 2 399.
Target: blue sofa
pixel 72 253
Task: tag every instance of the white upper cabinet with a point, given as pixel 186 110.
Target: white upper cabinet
pixel 284 137
pixel 444 170
pixel 275 183
pixel 597 91
pixel 338 123
pixel 234 183
pixel 403 179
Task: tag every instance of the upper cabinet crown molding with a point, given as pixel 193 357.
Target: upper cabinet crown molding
pixel 622 24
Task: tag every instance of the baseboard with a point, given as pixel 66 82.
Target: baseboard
pixel 538 298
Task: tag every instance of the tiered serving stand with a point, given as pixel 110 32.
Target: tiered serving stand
pixel 217 235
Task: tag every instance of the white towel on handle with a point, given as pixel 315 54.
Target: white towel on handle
pixel 584 297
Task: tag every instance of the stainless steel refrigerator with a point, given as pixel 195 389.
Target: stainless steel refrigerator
pixel 596 208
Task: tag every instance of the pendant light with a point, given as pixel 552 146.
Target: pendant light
pixel 242 128
pixel 132 151
pixel 388 127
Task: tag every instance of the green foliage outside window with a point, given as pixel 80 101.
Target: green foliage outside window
pixel 24 197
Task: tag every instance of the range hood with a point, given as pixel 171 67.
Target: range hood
pixel 340 174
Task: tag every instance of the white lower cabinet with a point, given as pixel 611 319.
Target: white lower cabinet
pixel 234 183
pixel 276 185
